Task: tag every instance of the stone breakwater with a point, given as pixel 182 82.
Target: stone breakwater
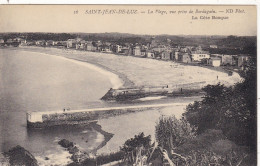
pixel 142 92
pixel 86 116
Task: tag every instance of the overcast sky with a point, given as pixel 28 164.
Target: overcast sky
pixel 61 18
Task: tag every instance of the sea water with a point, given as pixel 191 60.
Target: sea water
pixel 32 81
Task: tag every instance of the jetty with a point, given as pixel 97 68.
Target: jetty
pixel 131 93
pixel 84 116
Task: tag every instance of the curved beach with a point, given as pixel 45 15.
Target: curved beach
pixel 117 78
pixel 114 78
pixel 143 71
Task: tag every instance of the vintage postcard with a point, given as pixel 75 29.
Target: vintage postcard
pixel 128 85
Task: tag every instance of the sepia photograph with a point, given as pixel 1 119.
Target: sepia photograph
pixel 128 85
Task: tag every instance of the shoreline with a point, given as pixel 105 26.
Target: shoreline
pixel 132 74
pixel 125 82
pixel 134 71
pixel 107 136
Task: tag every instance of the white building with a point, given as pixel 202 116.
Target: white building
pixel 150 55
pixel 213 46
pixel 118 48
pixel 215 61
pixel 137 51
pixel 197 56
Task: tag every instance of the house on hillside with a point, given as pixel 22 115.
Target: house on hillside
pixel 165 55
pixel 61 43
pixel 154 43
pixel 98 43
pixel 9 41
pixel 125 51
pixel 157 55
pixel 184 49
pixel 89 46
pixel 50 43
pixel 143 52
pixel 198 55
pixel 105 48
pixel 150 54
pixel 40 43
pixel 242 59
pixel 176 55
pixel 17 39
pixel 213 46
pixel 228 59
pixel 30 43
pixel 82 44
pixel 71 43
pixel 184 57
pixel 93 48
pixel 137 51
pixel 2 42
pixel 118 48
pixel 78 39
pixel 77 46
pixel 144 47
pixel 160 48
pixel 199 48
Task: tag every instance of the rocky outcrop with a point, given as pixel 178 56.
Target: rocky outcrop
pixel 65 143
pixel 77 155
pixel 20 156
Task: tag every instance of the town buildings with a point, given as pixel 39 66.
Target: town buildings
pixel 154 49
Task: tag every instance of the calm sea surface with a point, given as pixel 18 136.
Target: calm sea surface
pixel 39 82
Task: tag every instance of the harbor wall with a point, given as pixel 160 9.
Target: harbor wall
pixel 166 90
pixel 76 117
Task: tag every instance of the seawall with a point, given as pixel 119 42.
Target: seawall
pixel 122 94
pixel 79 117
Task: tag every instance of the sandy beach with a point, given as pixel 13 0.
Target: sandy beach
pixel 142 71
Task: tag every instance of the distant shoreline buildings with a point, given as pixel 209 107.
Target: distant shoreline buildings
pixel 152 49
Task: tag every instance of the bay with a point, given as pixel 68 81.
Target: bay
pixel 32 81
